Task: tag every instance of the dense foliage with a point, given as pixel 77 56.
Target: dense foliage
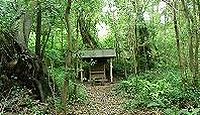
pixel 156 41
pixel 161 89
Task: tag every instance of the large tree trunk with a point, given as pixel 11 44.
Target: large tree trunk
pixel 24 29
pixel 19 66
pixel 88 40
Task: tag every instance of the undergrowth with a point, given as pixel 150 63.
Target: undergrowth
pixel 19 101
pixel 159 89
pixel 76 91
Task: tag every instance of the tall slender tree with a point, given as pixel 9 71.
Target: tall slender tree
pixel 69 53
pixel 38 30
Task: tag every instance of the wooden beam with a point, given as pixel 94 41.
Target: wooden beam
pixel 111 74
pixel 90 76
pixel 104 70
pixel 81 69
pixel 104 75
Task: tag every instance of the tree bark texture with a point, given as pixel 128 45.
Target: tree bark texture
pixel 20 67
pixel 24 29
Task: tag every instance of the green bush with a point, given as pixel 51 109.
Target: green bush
pixel 162 89
pixel 76 91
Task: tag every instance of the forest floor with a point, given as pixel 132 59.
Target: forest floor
pixel 102 101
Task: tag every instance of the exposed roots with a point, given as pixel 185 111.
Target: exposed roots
pixel 18 66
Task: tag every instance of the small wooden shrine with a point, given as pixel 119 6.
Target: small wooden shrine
pixel 100 65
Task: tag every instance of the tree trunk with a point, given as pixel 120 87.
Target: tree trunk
pixel 38 31
pixel 69 55
pixel 45 42
pixel 22 68
pixel 190 39
pixel 198 33
pixel 88 40
pixel 24 29
pixel 180 61
pixel 195 32
pixel 177 35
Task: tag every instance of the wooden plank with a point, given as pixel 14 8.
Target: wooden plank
pixel 90 74
pixel 104 69
pixel 97 72
pixel 81 69
pixel 111 74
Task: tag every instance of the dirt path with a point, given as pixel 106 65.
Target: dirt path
pixel 101 102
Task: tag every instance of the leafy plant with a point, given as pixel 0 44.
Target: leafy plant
pixel 161 90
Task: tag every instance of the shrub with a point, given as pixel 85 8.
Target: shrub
pixel 162 89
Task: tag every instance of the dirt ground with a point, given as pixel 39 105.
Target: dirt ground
pixel 103 102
